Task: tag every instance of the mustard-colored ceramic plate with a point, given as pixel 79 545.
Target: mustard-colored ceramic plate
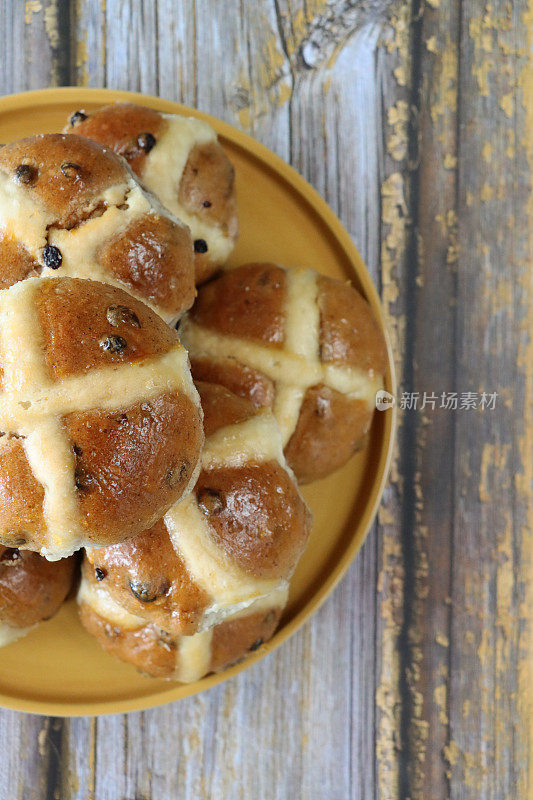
pixel 59 669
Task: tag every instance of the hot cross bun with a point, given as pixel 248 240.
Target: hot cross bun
pixel 180 159
pixel 100 423
pixel 303 344
pixel 236 538
pixel 159 654
pixel 31 590
pixel 71 208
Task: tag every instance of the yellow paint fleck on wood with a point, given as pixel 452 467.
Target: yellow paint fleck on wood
pixel 484 651
pixel 481 73
pixel 50 24
pixel 272 85
pixel 486 152
pixel 385 516
pixel 81 53
pixel 301 22
pixel 398 119
pixel 443 640
pixel 507 103
pixel 501 296
pixel 439 697
pixel 451 753
pixel 444 101
pixel 510 150
pixel 493 460
pixel 41 738
pixel 487 193
pixel 82 59
pixel 450 162
pixel 31 7
pixel 394 215
pixel 401 75
pixel 431 44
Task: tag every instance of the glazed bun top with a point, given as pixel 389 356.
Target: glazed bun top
pixel 294 329
pixel 181 160
pixel 100 424
pixel 236 538
pixel 31 589
pixel 71 208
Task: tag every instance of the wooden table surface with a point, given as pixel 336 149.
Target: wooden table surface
pixel 414 120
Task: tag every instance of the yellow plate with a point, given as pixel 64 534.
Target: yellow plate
pixel 59 669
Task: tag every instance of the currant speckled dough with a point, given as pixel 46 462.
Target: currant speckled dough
pixel 234 540
pixel 101 424
pixel 72 208
pixel 180 159
pixel 32 590
pixel 301 343
pixel 159 654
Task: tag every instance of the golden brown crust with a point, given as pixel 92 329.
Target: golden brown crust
pixel 119 126
pixel 154 257
pixel 156 653
pixel 241 380
pixel 207 190
pixel 149 648
pixel 31 588
pixel 16 263
pixel 247 302
pixel 131 466
pixel 67 176
pixel 349 333
pixel 21 497
pixel 77 317
pixel 331 428
pixel 207 186
pixel 65 196
pixel 259 519
pixel 106 453
pixel 221 407
pixel 256 517
pixel 148 578
pixel 235 638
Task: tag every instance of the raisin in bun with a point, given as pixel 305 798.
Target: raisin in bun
pixel 31 590
pixel 101 422
pixel 70 207
pixel 236 538
pixel 180 159
pixel 301 343
pixel 160 654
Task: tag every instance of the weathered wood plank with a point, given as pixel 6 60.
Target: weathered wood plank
pixel 395 236
pixel 35 49
pixel 492 463
pixel 429 451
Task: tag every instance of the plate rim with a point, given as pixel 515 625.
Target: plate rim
pixel 48 96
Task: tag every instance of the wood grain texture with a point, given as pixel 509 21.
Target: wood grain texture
pixel 414 121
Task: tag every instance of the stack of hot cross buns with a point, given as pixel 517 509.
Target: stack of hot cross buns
pixel 158 409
